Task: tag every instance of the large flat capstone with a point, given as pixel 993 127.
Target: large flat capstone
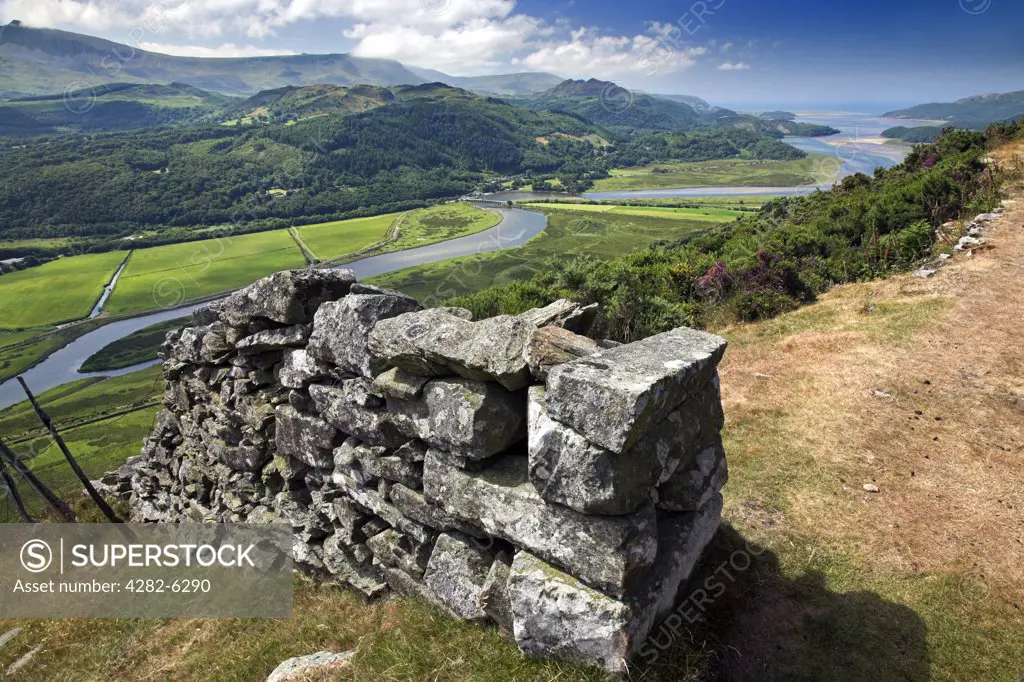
pixel 439 343
pixel 611 553
pixel 615 396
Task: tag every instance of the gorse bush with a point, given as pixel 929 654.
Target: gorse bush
pixel 790 251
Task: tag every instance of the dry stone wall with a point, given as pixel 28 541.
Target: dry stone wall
pixel 509 470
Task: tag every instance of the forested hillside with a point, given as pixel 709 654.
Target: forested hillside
pixel 308 158
pixel 114 108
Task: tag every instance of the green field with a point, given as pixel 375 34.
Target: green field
pixel 137 347
pixel 568 234
pixel 59 291
pixel 712 215
pixel 343 237
pixel 166 276
pixel 330 241
pixel 441 223
pixel 812 170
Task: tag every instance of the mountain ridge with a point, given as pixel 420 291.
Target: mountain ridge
pixel 43 61
pixel 976 111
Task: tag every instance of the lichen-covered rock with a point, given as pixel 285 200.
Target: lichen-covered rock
pixel 396 550
pixel 375 426
pixel 299 369
pixel 353 567
pixel 415 506
pixel 294 336
pixel 341 329
pixel 457 573
pixel 305 437
pixel 305 667
pixel 398 383
pixel 609 552
pixel 494 599
pixel 437 343
pixel 359 391
pixel 552 346
pixel 567 469
pixel 242 457
pixel 614 397
pixel 288 297
pixel 565 314
pixel 692 486
pixel 555 615
pixel 470 418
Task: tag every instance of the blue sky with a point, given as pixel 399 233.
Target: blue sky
pixel 837 54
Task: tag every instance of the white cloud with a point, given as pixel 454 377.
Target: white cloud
pixel 224 50
pixel 725 48
pixel 588 53
pixel 464 37
pixel 476 46
pixel 733 66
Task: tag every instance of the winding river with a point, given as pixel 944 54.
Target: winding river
pixel 516 228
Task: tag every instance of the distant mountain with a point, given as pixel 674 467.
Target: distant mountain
pixel 119 106
pixel 697 103
pixel 44 61
pixel 38 61
pixel 778 115
pixel 501 85
pixel 621 110
pixel 296 103
pixel 969 112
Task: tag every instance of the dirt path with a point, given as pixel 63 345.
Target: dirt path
pixel 913 387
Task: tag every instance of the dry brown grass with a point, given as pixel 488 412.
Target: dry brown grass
pixel 914 385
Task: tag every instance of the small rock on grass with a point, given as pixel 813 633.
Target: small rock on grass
pixel 871 488
pixel 301 667
pixel 9 635
pixel 22 662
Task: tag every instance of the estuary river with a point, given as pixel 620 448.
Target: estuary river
pixel 516 228
pixel 859 146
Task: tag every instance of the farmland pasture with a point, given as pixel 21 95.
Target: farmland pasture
pixel 812 170
pixel 343 237
pixel 59 291
pixel 166 276
pixel 713 215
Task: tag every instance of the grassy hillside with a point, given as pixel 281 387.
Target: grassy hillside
pixel 291 103
pixel 837 583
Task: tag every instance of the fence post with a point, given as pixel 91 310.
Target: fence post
pixel 48 423
pixel 37 485
pixel 12 488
